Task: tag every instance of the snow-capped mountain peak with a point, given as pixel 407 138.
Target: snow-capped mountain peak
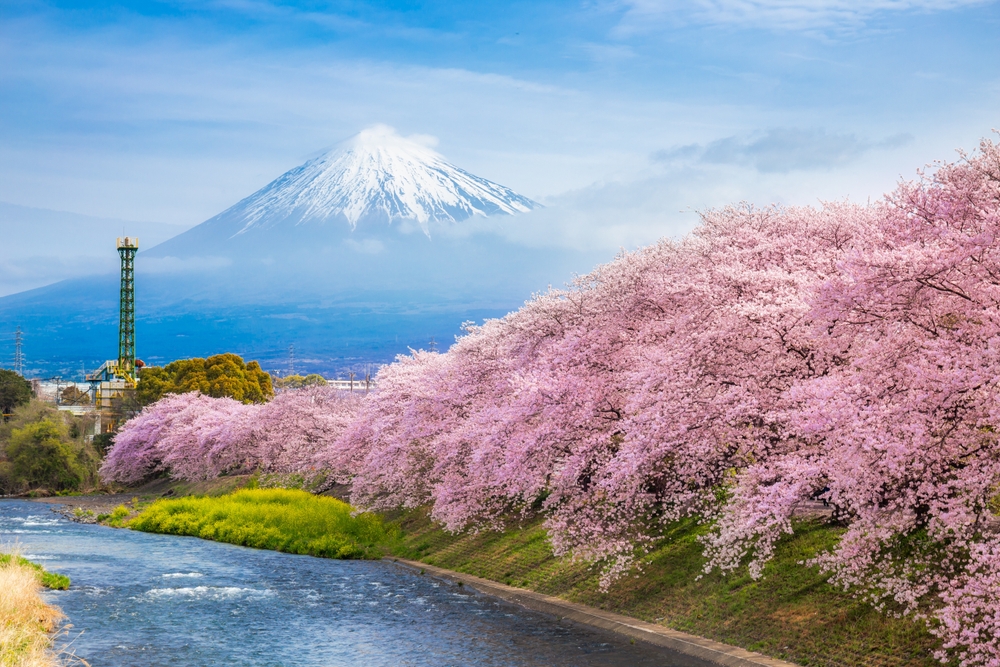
pixel 375 177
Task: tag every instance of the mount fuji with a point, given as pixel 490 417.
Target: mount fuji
pixel 372 248
pixel 375 182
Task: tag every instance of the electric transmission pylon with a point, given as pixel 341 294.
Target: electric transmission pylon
pixel 127 247
pixel 18 353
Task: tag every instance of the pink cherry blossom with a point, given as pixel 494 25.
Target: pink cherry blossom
pixel 847 353
pixel 195 437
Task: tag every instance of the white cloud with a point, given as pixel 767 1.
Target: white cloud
pixel 18 274
pixel 167 129
pixel 41 246
pixel 781 166
pixel 781 150
pixel 428 140
pixel 646 15
pixel 180 133
pixel 365 246
pixel 180 266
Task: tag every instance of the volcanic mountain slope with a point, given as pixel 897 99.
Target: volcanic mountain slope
pixel 373 183
pixel 353 257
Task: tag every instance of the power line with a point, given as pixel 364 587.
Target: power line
pixel 18 353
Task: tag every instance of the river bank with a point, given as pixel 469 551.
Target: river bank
pixel 85 508
pixel 791 614
pixel 26 621
pixel 145 600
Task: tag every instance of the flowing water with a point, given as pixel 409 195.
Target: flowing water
pixel 141 600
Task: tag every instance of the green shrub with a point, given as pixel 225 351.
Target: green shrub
pixel 118 516
pixel 40 455
pixel 102 442
pixel 43 448
pixel 277 519
pixel 298 381
pixel 14 391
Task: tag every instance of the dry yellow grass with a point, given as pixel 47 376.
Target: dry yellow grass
pixel 25 620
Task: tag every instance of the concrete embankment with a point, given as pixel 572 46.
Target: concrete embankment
pixel 697 647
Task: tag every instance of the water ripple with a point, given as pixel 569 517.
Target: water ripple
pixel 265 609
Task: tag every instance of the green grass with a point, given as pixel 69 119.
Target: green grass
pixel 277 519
pixel 792 613
pixel 58 582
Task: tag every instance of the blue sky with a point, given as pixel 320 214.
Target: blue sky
pixel 624 117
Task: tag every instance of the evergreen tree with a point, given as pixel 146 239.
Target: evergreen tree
pixel 14 391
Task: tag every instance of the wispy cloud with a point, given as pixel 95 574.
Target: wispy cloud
pixel 607 53
pixel 42 246
pixel 174 116
pixel 782 150
pixel 184 266
pixel 645 15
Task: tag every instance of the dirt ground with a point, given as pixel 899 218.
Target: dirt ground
pixel 97 504
pixel 90 506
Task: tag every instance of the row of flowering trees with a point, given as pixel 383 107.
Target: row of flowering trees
pixel 196 437
pixel 849 354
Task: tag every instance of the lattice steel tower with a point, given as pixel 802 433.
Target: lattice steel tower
pixel 127 247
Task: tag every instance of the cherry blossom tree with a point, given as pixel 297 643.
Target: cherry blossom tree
pixel 900 435
pixel 286 434
pixel 774 356
pixel 191 436
pixel 195 437
pixel 847 353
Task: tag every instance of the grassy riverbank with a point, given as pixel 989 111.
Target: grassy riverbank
pixel 792 613
pixel 58 582
pixel 25 620
pixel 278 519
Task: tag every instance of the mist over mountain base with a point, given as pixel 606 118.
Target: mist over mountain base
pixel 352 258
pixel 330 342
pixel 342 310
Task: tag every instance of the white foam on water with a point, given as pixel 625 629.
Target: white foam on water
pixel 39 557
pixel 209 593
pixel 192 575
pixel 18 531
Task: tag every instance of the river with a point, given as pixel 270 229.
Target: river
pixel 141 600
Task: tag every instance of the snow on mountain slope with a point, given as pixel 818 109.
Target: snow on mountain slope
pixel 375 177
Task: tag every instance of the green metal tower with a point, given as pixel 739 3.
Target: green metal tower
pixel 127 247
